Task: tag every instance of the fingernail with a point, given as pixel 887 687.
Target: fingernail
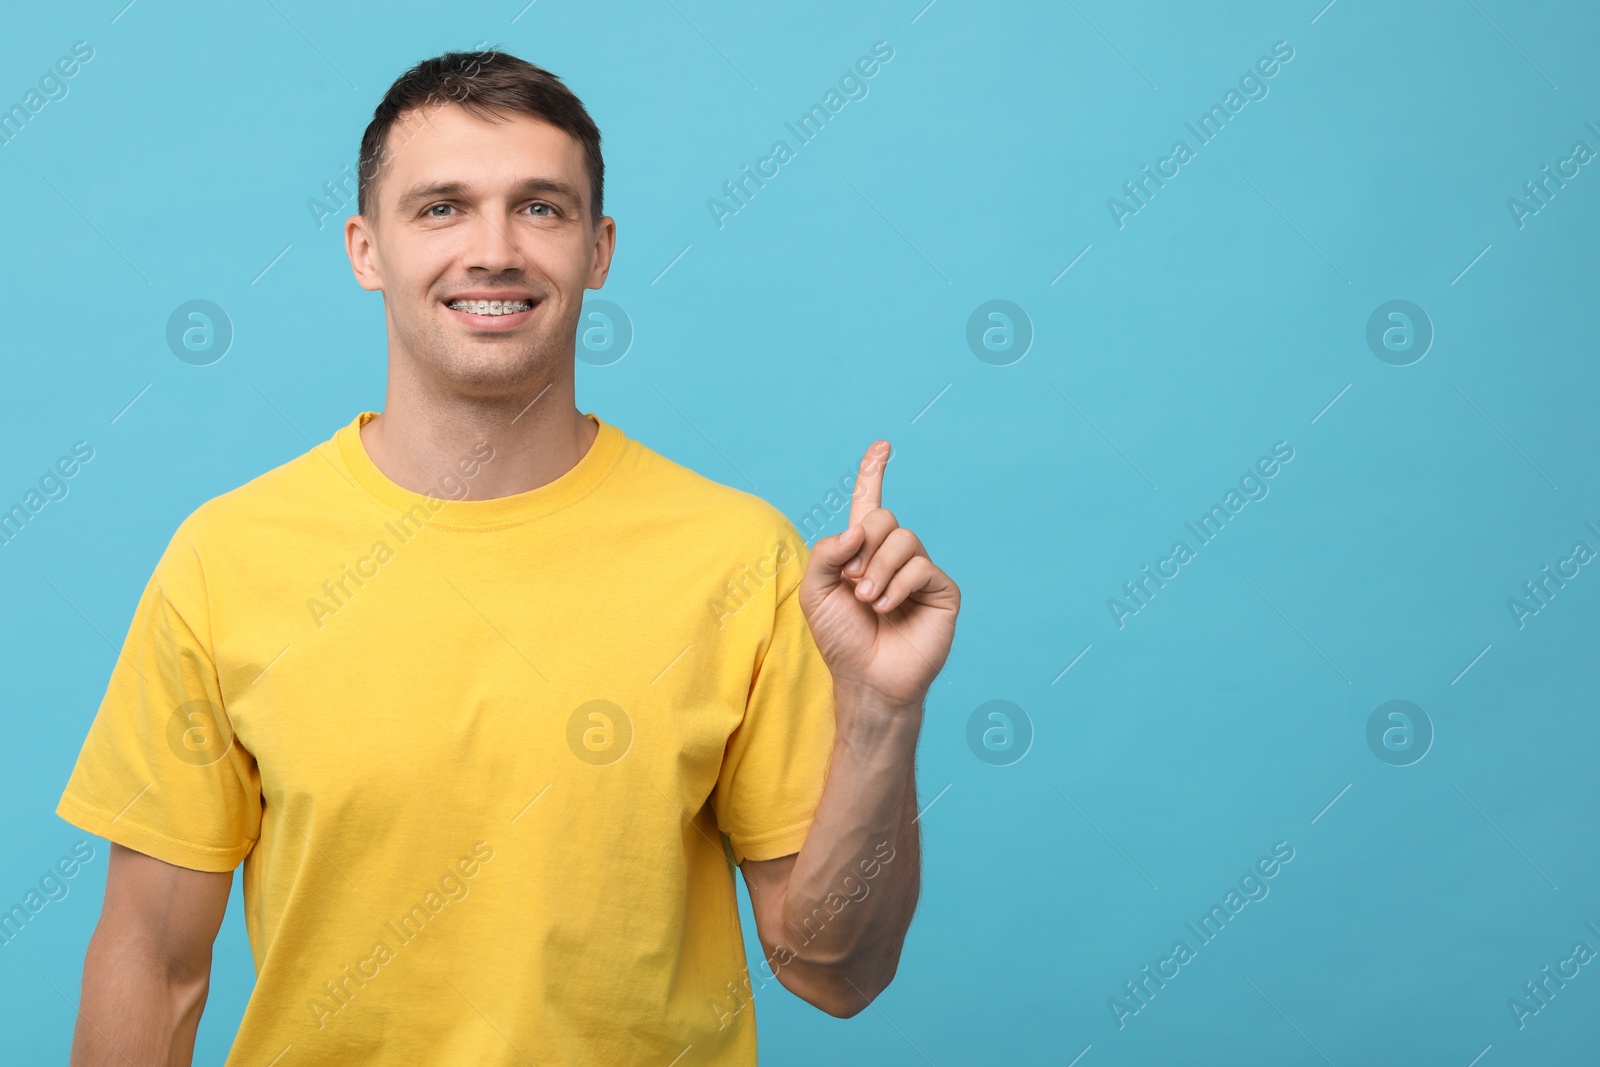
pixel 864 588
pixel 883 601
pixel 853 566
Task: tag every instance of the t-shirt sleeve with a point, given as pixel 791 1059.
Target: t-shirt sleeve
pixel 776 761
pixel 160 770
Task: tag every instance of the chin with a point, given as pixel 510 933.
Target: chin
pixel 504 366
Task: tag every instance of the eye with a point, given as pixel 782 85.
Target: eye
pixel 541 203
pixel 430 211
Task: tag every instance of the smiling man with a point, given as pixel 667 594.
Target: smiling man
pixel 485 757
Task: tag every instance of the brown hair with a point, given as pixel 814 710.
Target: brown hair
pixel 485 83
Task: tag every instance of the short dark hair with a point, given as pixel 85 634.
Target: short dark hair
pixel 485 83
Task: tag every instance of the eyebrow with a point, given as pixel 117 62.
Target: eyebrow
pixel 428 190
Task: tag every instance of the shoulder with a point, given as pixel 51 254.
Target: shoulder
pixel 249 517
pixel 730 520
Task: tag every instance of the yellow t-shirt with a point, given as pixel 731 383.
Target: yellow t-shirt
pixel 477 756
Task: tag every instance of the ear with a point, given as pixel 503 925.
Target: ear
pixel 358 245
pixel 605 243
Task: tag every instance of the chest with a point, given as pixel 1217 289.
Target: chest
pixel 455 678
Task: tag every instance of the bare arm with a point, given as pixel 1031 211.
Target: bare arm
pixel 833 918
pixel 148 968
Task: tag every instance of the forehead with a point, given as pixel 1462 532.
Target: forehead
pixel 449 143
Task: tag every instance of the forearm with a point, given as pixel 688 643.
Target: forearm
pixel 853 889
pixel 135 1010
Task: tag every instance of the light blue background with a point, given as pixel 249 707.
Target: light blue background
pixel 1223 317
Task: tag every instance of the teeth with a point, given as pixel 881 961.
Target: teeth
pixel 491 307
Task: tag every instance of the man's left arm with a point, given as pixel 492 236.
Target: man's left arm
pixel 833 917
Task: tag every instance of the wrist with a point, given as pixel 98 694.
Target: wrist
pixel 861 698
pixel 869 723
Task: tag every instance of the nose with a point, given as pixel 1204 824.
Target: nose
pixel 490 245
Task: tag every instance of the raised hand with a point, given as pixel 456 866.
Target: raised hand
pixel 882 614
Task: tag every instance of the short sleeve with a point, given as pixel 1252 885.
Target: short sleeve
pixel 160 770
pixel 776 761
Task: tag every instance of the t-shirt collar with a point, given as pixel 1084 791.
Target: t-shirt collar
pixel 441 511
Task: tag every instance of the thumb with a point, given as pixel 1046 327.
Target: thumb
pixel 828 557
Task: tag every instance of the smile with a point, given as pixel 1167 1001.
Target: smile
pixel 492 316
pixel 491 307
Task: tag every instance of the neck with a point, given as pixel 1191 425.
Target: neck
pixel 479 447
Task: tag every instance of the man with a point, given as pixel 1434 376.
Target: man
pixel 488 697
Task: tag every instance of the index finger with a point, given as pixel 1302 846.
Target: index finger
pixel 868 491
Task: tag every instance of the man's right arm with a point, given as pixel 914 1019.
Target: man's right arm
pixel 148 968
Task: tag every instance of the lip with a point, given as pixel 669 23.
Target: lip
pixel 492 323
